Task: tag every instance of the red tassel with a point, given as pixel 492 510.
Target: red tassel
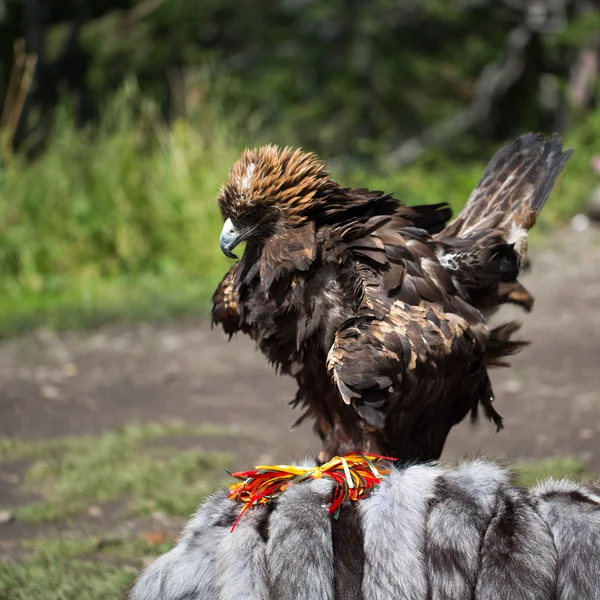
pixel 354 476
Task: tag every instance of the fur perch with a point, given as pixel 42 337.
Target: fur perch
pixel 518 558
pixel 572 514
pixel 427 532
pixel 465 501
pixel 301 515
pixel 402 498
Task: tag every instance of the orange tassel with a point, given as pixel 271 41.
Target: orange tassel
pixel 354 476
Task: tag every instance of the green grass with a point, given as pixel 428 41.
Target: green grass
pixel 115 220
pixel 75 569
pixel 118 221
pixel 72 473
pixel 559 467
pixel 138 464
pixel 87 304
pixel 58 576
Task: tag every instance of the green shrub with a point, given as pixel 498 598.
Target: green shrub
pixel 119 219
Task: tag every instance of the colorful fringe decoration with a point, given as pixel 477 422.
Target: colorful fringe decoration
pixel 354 476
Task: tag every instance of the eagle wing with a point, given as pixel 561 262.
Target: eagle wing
pixel 407 356
pixel 514 187
pixel 486 245
pixel 225 311
pixel 412 344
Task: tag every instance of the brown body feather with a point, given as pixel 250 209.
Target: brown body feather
pixel 357 295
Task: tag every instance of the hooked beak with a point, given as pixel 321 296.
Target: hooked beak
pixel 230 238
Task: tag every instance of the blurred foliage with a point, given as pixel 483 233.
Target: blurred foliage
pixel 128 195
pixel 118 218
pixel 77 567
pixel 107 207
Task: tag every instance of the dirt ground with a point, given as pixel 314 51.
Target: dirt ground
pixel 74 383
pixel 88 383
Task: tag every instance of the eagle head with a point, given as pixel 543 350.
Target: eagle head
pixel 269 189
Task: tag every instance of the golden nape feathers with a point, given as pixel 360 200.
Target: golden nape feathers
pixel 378 309
pixel 272 176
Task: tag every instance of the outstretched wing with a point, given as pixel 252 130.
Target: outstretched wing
pixel 513 188
pixel 486 245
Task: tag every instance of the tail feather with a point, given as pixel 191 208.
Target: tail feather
pixel 500 345
pixel 514 187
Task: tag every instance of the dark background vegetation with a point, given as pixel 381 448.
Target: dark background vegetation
pixel 116 139
pixel 119 119
pixel 345 77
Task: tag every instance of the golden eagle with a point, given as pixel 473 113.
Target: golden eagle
pixel 376 308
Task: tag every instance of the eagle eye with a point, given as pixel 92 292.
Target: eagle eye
pixel 252 214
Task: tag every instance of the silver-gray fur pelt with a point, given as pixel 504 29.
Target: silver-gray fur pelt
pixel 427 533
